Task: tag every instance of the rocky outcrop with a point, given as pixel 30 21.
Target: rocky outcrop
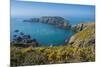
pixel 32 20
pixel 53 20
pixel 84 37
pixel 23 40
pixel 81 26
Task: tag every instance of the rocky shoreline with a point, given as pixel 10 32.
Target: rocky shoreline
pixel 84 32
pixel 79 48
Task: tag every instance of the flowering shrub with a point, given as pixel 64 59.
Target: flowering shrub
pixel 50 55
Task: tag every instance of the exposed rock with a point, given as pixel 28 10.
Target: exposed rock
pixel 84 37
pixel 32 20
pixel 23 40
pixel 53 20
pixel 16 31
pixel 81 26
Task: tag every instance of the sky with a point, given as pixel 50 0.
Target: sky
pixel 29 9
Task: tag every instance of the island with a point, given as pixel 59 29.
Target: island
pixel 80 47
pixel 53 20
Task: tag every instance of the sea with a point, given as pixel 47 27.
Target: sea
pixel 45 34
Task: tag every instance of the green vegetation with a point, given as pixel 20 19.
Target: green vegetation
pixel 80 48
pixel 51 55
pixel 84 38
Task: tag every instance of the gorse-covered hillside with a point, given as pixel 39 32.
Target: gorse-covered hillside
pixel 80 48
pixel 51 55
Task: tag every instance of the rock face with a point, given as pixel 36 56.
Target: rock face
pixel 81 26
pixel 53 20
pixel 85 35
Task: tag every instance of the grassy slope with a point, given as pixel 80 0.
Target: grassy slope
pixel 83 37
pixel 56 54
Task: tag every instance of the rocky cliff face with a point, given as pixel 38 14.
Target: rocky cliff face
pixel 81 26
pixel 85 35
pixel 53 20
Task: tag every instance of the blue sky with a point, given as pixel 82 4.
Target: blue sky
pixel 28 9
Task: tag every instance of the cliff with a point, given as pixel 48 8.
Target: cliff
pixel 53 20
pixel 85 35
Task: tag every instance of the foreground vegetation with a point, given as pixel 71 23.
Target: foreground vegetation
pixel 51 55
pixel 80 48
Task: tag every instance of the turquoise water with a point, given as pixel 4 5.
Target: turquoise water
pixel 45 34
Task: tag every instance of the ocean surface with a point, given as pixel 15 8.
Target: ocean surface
pixel 45 34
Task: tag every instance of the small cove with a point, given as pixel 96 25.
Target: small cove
pixel 45 34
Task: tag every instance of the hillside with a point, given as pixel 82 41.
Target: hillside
pixel 51 55
pixel 85 37
pixel 80 48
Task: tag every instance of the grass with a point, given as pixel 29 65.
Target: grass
pixel 85 33
pixel 21 56
pixel 83 36
pixel 51 55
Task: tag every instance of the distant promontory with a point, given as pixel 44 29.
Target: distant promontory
pixel 53 20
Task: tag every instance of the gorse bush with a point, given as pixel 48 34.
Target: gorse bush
pixel 87 54
pixel 16 56
pixel 50 55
